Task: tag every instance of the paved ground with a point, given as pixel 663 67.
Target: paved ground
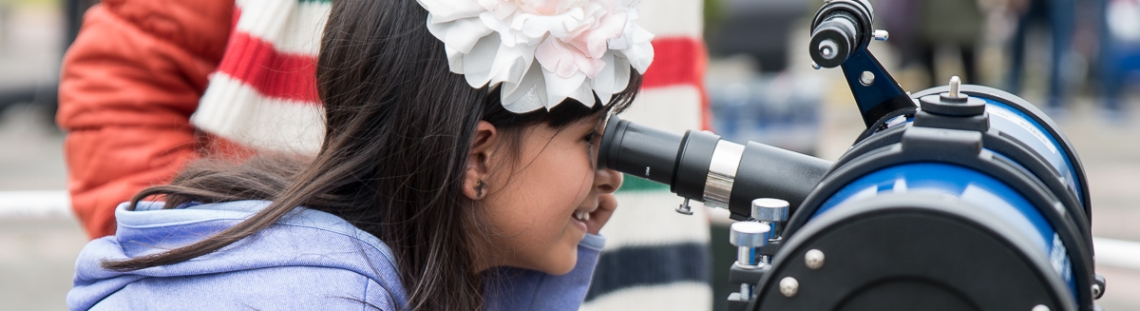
pixel 37 252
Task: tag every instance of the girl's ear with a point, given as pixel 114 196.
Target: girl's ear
pixel 483 144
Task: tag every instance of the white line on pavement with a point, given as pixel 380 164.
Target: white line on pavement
pixel 1117 253
pixel 17 205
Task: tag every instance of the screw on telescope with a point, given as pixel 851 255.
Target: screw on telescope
pixel 789 287
pixel 953 103
pixel 881 35
pixel 867 78
pixel 814 259
pixel 1099 286
pixel 955 86
pixel 684 209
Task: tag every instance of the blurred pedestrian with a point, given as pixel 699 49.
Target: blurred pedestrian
pixel 949 24
pixel 1058 16
pixel 920 29
pixel 900 18
pixel 1119 36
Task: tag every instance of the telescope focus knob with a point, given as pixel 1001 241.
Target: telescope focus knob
pixel 748 237
pixel 748 234
pixel 770 210
pixel 771 213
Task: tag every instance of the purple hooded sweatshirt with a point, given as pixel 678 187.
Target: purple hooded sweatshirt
pixel 308 260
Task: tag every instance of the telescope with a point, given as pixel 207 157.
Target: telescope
pixel 959 197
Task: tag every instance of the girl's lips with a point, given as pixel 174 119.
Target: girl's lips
pixel 581 224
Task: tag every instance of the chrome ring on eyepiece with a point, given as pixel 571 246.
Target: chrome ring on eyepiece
pixel 722 173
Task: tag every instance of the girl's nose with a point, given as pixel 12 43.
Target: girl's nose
pixel 607 180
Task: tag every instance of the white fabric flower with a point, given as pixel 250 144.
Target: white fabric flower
pixel 583 47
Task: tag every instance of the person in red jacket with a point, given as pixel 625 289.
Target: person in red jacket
pixel 129 84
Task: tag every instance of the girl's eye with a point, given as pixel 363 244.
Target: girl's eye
pixel 592 137
pixel 592 140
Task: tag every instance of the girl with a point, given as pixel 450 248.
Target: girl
pixel 432 190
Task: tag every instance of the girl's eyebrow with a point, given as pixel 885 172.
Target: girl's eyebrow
pixel 598 120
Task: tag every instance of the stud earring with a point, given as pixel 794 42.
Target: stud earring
pixel 479 189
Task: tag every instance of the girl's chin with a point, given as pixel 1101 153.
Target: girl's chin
pixel 564 264
pixel 565 256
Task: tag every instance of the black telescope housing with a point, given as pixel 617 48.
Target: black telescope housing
pixel 959 197
pixel 684 162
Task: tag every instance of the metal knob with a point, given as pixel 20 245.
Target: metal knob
pixel 881 35
pixel 684 208
pixel 748 237
pixel 748 234
pixel 770 210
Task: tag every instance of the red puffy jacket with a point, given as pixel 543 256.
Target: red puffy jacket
pixel 129 84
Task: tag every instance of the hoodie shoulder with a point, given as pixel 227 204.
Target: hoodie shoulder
pixel 284 288
pixel 280 264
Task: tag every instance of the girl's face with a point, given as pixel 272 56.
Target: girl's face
pixel 531 199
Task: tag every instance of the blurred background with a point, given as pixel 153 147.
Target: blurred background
pixel 1076 59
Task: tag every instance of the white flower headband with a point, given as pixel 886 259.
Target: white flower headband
pixel 583 47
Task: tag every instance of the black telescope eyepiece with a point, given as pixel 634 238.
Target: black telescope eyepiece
pixel 682 162
pixel 638 150
pixel 702 167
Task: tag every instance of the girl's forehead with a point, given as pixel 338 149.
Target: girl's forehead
pixel 597 119
pixel 594 120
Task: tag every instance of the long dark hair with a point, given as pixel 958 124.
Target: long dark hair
pixel 397 136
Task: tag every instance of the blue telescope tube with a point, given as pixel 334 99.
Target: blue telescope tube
pixel 1023 128
pixel 970 186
